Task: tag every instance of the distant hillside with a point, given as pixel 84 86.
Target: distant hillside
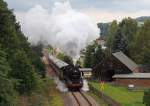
pixel 142 18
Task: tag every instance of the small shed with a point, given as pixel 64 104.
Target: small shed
pixel 86 72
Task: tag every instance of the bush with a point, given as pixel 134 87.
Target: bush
pixel 146 98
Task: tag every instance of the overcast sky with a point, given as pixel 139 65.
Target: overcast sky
pixel 98 10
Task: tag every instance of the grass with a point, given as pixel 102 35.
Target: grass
pixel 122 94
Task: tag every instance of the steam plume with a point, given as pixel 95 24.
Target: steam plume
pixel 63 27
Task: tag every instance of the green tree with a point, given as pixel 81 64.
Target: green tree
pixel 89 56
pixel 61 56
pixel 38 65
pixel 111 33
pixel 119 42
pixel 146 98
pixel 99 54
pixel 33 52
pixel 124 35
pixel 79 63
pixel 67 59
pixel 7 28
pixel 22 59
pixel 141 45
pixel 24 73
pixel 38 48
pixel 7 92
pixel 93 55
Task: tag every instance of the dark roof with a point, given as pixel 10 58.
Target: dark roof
pixel 126 61
pixel 133 75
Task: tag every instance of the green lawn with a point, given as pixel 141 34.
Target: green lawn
pixel 122 94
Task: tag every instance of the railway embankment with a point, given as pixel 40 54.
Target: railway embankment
pixel 47 96
pixel 53 94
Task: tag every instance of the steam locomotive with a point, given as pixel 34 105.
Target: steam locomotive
pixel 70 74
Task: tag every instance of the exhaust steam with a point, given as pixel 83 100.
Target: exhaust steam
pixel 60 85
pixel 63 27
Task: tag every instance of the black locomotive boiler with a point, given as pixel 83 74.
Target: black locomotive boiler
pixel 70 74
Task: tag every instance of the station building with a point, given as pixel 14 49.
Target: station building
pixel 121 70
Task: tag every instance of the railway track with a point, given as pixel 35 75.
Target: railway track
pixel 81 99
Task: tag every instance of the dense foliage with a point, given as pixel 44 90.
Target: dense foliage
pixel 146 98
pixel 20 66
pixel 124 35
pixel 68 59
pixel 130 38
pixel 93 55
pixel 110 38
pixel 7 92
pixel 140 47
pixel 65 58
pixel 38 48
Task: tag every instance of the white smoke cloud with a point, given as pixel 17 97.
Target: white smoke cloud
pixel 63 27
